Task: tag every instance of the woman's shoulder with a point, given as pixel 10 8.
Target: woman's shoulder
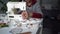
pixel 36 4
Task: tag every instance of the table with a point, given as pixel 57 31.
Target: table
pixel 6 30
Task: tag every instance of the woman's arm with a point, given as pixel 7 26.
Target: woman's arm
pixel 37 12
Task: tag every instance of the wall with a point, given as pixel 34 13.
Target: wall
pixel 49 3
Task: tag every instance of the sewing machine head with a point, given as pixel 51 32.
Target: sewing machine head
pixel 15 7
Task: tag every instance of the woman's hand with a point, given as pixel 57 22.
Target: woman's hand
pixel 24 14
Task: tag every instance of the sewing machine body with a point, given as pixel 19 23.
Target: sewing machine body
pixel 11 8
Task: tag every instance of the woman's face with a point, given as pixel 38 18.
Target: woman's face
pixel 28 1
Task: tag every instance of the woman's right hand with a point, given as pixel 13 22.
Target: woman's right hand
pixel 24 14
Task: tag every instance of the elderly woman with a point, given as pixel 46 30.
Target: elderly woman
pixel 33 9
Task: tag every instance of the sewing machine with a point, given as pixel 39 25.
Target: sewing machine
pixel 14 8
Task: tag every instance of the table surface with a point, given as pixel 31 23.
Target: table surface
pixel 6 30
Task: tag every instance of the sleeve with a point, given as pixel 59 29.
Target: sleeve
pixel 38 8
pixel 38 13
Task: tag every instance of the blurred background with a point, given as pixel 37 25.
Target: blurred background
pixel 51 12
